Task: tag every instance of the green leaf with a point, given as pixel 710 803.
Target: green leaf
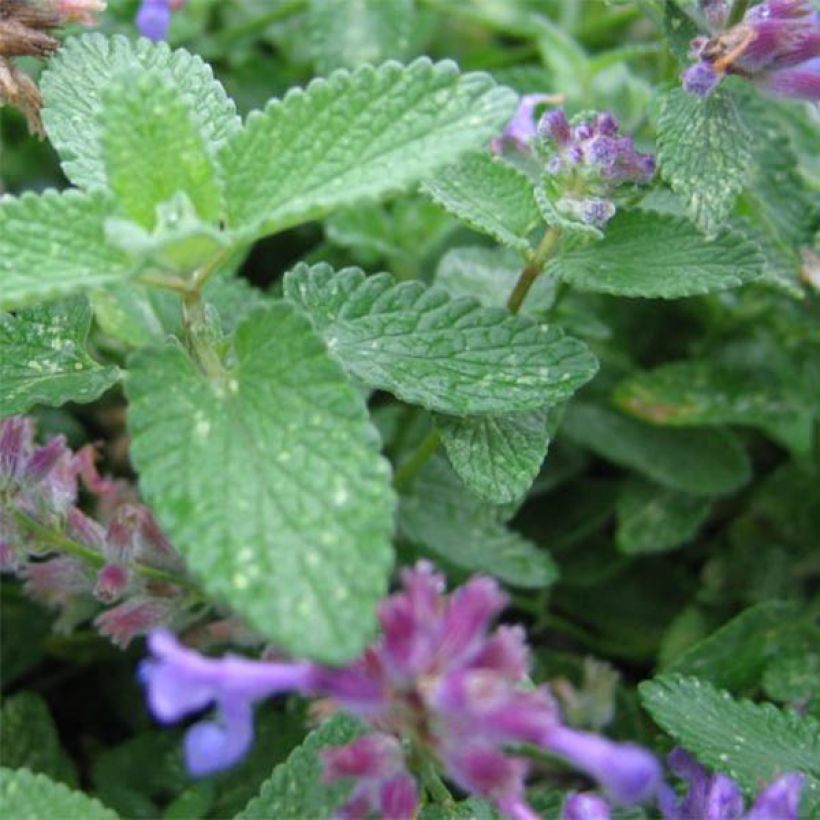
pixel 705 150
pixel 489 195
pixel 345 34
pixel 44 360
pixel 497 457
pixel 269 480
pixel 696 461
pixel 53 245
pixel 28 738
pixel 475 808
pixel 734 656
pixel 656 519
pixel 792 676
pixel 78 76
pixel 653 255
pixel 153 148
pixel 682 394
pixel 295 789
pixel 355 136
pixel 28 796
pixel 449 355
pixel 750 742
pixel 438 514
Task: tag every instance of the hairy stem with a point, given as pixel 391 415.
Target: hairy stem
pixel 532 270
pixel 421 455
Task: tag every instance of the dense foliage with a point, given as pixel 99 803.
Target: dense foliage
pixel 522 290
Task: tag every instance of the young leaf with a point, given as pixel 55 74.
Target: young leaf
pixel 449 355
pixel 653 255
pixel 700 462
pixel 705 151
pixel 269 480
pixel 76 79
pixel 438 514
pixel 295 789
pixel 490 196
pixel 497 457
pixel 53 245
pixel 750 742
pixel 27 795
pixel 153 148
pixel 355 136
pixel 656 519
pixel 43 358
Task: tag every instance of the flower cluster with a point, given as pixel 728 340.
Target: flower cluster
pixel 39 489
pixel 154 17
pixel 776 45
pixel 438 688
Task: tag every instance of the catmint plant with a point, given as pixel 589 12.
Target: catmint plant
pixel 298 321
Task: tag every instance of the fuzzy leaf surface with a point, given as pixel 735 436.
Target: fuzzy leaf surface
pixel 76 79
pixel 750 742
pixel 700 462
pixel 448 355
pixel 497 457
pixel 705 151
pixel 438 514
pixel 27 795
pixel 489 195
pixel 355 136
pixel 295 789
pixel 653 255
pixel 53 245
pixel 269 481
pixel 44 360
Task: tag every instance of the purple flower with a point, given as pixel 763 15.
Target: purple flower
pixel 585 806
pixel 154 17
pixel 520 130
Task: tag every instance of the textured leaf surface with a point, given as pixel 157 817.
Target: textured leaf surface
pixel 449 355
pixel 269 481
pixel 54 244
pixel 655 519
pixel 43 358
pixel 355 136
pixel 497 457
pixel 705 152
pixel 78 76
pixel 750 742
pixel 295 789
pixel 645 253
pixel 700 462
pixel 154 149
pixel 347 33
pixel 438 514
pixel 27 796
pixel 490 196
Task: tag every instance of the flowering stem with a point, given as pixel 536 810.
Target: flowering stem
pixel 435 785
pixel 198 337
pixel 421 455
pixel 60 540
pixel 736 14
pixel 532 270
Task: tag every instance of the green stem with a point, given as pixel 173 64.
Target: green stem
pixel 435 785
pixel 736 14
pixel 532 270
pixel 62 542
pixel 421 455
pixel 198 336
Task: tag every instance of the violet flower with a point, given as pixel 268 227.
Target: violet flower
pixel 776 45
pixel 585 806
pixel 438 682
pixel 154 18
pixel 520 130
pixel 718 797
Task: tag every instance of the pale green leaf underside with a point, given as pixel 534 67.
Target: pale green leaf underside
pixel 653 255
pixel 696 461
pixel 77 77
pixel 440 516
pixel 490 196
pixel 705 152
pixel 750 742
pixel 295 790
pixel 497 457
pixel 153 148
pixel 27 796
pixel 53 244
pixel 43 358
pixel 655 519
pixel 269 482
pixel 355 136
pixel 448 355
